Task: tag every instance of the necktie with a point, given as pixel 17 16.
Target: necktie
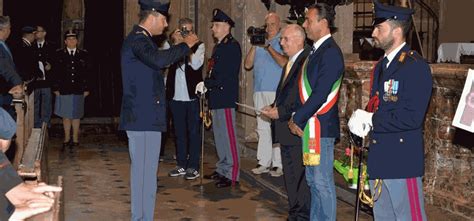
pixel 71 52
pixel 383 68
pixel 384 64
pixel 287 69
pixel 40 45
pixel 313 49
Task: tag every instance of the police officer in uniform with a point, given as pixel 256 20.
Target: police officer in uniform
pixel 71 86
pixel 25 57
pixel 400 93
pixel 223 85
pixel 143 114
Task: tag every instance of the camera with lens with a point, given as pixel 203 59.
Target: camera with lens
pixel 184 32
pixel 257 35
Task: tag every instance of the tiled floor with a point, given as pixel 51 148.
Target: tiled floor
pixel 96 183
pixel 96 187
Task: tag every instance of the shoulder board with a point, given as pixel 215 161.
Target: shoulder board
pixel 82 50
pixel 141 32
pixel 59 49
pixel 412 55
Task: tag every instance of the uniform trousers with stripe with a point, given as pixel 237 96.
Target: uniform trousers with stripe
pixel 144 148
pixel 400 199
pixel 225 136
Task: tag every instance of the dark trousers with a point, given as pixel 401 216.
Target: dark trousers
pixel 299 196
pixel 187 127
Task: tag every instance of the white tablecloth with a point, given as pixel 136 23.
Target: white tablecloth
pixel 451 52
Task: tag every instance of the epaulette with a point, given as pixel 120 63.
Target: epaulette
pixel 414 55
pixel 142 32
pixel 60 49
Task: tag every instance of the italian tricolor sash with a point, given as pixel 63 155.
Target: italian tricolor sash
pixel 312 131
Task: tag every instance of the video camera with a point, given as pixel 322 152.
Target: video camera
pixel 257 35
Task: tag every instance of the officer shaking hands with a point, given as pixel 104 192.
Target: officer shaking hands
pixel 400 94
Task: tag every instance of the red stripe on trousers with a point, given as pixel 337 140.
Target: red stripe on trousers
pixel 233 149
pixel 417 199
pixel 414 206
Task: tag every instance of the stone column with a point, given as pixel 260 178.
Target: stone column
pixel 448 165
pixel 73 18
pixel 345 24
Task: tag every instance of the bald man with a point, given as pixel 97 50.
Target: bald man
pixel 287 102
pixel 266 61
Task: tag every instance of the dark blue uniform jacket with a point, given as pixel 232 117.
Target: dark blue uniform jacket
pixel 325 66
pixel 223 82
pixel 144 100
pixel 396 148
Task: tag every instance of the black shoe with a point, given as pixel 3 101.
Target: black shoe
pixel 75 144
pixel 225 182
pixel 213 176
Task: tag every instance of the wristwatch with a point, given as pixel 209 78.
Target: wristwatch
pixel 266 46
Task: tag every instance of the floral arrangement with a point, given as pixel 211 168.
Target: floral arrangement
pixel 348 168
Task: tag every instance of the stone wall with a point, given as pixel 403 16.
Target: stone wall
pixel 449 165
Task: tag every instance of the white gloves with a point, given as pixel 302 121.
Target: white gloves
pixel 200 88
pixel 360 122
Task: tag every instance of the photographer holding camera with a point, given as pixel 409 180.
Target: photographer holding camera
pixel 267 59
pixel 183 76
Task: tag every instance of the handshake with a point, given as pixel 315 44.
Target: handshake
pixel 360 122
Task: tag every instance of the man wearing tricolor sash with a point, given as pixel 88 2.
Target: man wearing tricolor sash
pixel 317 121
pixel 401 86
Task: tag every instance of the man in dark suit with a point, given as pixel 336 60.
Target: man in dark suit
pixel 400 94
pixel 287 102
pixel 10 81
pixel 143 114
pixel 318 116
pixel 25 57
pixel 44 52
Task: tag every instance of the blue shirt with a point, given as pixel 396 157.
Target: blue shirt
pixel 266 71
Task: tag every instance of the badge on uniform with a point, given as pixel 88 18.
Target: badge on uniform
pixel 390 88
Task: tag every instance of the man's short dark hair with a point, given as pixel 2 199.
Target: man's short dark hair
pixel 404 25
pixel 327 12
pixel 143 15
pixel 4 21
